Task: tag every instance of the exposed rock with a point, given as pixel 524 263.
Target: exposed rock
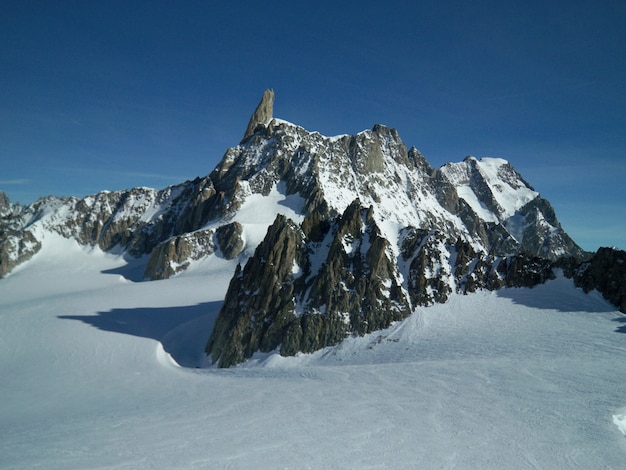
pixel 259 304
pixel 15 248
pixel 229 239
pixel 175 255
pixel 605 272
pixel 524 271
pixel 283 299
pixel 262 114
pixel 429 273
pixel 359 280
pixel 540 238
pixel 5 204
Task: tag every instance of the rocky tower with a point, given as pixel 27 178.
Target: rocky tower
pixel 262 114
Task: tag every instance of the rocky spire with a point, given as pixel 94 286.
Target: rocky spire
pixel 262 114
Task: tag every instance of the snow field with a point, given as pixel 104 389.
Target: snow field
pixel 521 378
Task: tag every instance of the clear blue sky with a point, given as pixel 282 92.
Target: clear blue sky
pixel 116 94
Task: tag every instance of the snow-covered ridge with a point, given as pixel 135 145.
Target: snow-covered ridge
pixel 493 189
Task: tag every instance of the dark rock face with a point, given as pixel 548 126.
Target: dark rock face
pixel 259 304
pixel 304 290
pixel 15 248
pixel 540 239
pixel 175 254
pixel 605 272
pixel 308 286
pixel 359 280
pixel 5 204
pixel 229 239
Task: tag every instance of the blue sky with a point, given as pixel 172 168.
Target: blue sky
pixel 112 95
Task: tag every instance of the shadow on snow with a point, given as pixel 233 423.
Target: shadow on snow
pixel 621 328
pixel 133 270
pixel 544 297
pixel 183 331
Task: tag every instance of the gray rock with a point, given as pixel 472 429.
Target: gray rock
pixel 175 255
pixel 260 303
pixel 15 248
pixel 605 272
pixel 262 114
pixel 5 204
pixel 229 239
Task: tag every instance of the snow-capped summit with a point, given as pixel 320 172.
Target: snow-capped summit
pixel 485 202
pixel 286 169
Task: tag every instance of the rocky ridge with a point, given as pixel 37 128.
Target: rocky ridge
pixel 484 202
pixel 310 285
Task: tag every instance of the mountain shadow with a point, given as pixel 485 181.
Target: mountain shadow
pixel 181 330
pixel 558 295
pixel 133 270
pixel 622 327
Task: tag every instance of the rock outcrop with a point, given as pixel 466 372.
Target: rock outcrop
pixel 15 248
pixel 5 204
pixel 605 272
pixel 309 285
pixel 229 239
pixel 176 254
pixel 262 114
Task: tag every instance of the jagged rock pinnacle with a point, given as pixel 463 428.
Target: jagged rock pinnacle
pixel 262 114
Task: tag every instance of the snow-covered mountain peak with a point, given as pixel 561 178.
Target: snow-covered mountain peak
pixel 485 202
pixel 491 186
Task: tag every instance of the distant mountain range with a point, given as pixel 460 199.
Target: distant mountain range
pixel 326 236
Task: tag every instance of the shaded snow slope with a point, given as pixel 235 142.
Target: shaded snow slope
pixel 509 379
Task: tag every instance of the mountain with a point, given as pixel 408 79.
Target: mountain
pixel 336 235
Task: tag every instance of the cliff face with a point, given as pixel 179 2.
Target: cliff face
pixel 309 285
pixel 606 273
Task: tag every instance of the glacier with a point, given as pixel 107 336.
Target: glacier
pixel 101 372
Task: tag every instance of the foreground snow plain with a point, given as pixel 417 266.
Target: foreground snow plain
pixel 99 371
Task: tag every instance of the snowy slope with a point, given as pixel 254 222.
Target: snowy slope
pixel 519 378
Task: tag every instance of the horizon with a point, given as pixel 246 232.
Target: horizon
pixel 120 95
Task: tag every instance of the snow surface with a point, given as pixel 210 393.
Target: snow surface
pixel 258 212
pixel 99 372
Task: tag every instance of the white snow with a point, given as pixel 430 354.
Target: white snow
pixel 620 422
pixel 258 212
pixel 99 372
pixel 510 195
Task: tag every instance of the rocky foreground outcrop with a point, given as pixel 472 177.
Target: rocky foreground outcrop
pixel 308 286
pixel 606 273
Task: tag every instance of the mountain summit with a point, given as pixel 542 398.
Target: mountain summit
pixel 326 236
pixel 262 114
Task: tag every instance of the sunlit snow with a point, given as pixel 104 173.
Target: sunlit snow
pixel 99 371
